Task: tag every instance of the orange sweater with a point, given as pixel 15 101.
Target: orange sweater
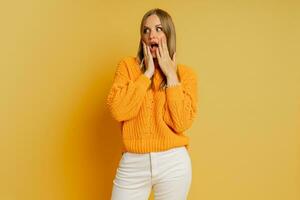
pixel 152 119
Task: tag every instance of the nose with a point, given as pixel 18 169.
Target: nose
pixel 152 34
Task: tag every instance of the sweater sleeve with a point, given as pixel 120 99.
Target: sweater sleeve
pixel 181 103
pixel 126 95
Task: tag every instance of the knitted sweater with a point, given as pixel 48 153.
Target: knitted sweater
pixel 152 119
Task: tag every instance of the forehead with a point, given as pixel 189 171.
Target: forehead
pixel 152 20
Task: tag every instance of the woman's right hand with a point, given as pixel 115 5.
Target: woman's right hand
pixel 148 59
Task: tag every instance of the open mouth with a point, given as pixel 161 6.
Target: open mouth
pixel 153 46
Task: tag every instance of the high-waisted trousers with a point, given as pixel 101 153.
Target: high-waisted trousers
pixel 168 173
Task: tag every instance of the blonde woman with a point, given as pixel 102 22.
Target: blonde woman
pixel 155 101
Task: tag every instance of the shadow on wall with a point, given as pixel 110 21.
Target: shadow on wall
pixel 92 143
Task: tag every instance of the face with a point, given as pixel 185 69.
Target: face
pixel 152 33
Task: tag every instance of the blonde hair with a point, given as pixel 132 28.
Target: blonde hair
pixel 168 28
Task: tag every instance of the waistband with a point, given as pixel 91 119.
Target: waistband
pixel 181 148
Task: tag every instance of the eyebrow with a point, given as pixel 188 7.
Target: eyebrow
pixel 155 26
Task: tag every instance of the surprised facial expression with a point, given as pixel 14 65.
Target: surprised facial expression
pixel 152 33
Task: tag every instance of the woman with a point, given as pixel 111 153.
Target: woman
pixel 155 100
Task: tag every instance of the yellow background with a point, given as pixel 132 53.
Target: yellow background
pixel 58 58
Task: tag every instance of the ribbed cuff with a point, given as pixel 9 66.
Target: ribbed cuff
pixel 174 93
pixel 154 145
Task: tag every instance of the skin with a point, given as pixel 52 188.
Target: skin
pixel 152 32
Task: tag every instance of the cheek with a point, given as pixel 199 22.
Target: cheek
pixel 144 39
pixel 162 36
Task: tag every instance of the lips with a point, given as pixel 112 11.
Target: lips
pixel 153 46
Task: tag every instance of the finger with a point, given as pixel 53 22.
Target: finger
pixel 174 60
pixel 174 57
pixel 157 54
pixel 149 53
pixel 165 46
pixel 144 49
pixel 160 47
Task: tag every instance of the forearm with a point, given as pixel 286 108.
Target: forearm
pixel 181 98
pixel 125 98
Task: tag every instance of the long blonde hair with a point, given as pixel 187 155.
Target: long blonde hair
pixel 168 28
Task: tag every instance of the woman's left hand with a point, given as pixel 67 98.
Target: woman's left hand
pixel 167 65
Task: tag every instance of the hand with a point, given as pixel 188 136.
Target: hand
pixel 148 61
pixel 167 65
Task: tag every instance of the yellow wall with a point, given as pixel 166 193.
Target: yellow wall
pixel 58 58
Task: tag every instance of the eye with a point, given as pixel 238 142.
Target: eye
pixel 146 30
pixel 159 29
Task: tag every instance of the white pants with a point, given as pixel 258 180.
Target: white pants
pixel 168 172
